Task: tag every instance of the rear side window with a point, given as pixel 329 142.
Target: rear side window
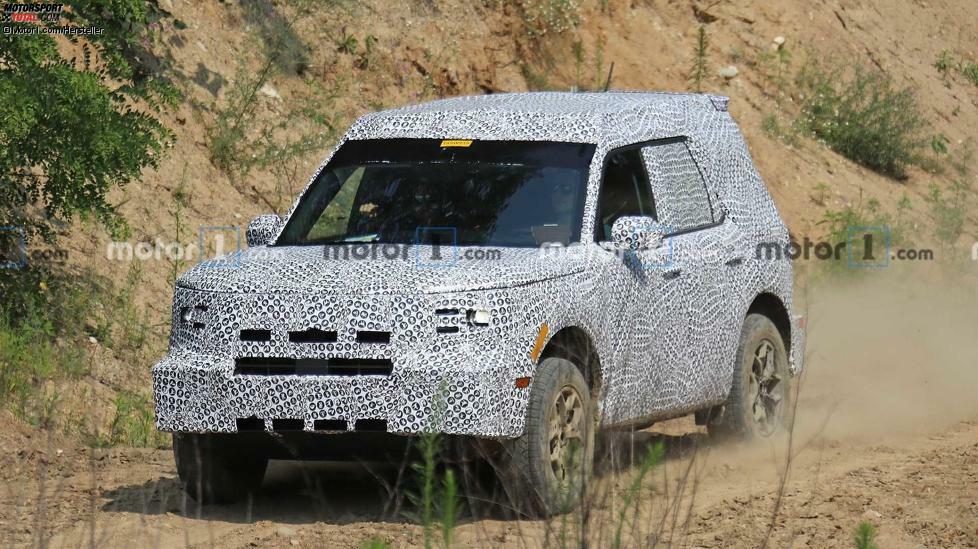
pixel 624 191
pixel 679 189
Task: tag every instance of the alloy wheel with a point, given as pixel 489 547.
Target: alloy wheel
pixel 766 389
pixel 566 435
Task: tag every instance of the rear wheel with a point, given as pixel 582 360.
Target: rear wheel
pixel 759 400
pixel 214 469
pixel 550 465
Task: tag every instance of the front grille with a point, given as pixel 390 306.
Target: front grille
pixel 329 425
pixel 250 424
pixel 255 335
pixel 287 424
pixel 375 425
pixel 313 335
pixel 262 366
pixel 360 366
pixel 366 336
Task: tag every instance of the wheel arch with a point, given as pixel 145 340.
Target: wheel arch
pixel 575 344
pixel 771 306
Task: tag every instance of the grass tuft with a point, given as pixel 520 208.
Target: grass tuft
pixel 865 536
pixel 547 17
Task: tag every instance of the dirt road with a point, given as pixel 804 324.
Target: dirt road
pixel 887 432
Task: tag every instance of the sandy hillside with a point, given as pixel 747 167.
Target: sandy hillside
pixel 425 50
pixel 422 50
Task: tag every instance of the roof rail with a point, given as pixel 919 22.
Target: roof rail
pixel 720 102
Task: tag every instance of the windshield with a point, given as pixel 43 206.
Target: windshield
pixel 483 193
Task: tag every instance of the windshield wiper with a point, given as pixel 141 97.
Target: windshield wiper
pixel 362 238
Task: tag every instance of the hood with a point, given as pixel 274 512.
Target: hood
pixel 379 269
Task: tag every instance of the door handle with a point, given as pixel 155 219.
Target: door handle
pixel 734 261
pixel 672 273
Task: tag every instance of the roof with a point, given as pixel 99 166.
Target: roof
pixel 556 103
pixel 587 117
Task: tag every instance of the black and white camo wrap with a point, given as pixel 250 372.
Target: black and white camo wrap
pixel 665 345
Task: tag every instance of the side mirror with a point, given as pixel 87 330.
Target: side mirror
pixel 636 233
pixel 263 229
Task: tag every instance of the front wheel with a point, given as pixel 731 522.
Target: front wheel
pixel 760 395
pixel 215 469
pixel 550 465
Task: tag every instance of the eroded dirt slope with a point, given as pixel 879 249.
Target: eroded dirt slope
pixel 424 50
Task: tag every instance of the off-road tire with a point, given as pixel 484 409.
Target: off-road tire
pixel 215 469
pixel 531 480
pixel 737 417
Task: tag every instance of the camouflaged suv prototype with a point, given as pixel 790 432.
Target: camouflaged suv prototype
pixel 516 268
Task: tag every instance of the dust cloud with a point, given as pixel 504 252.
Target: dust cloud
pixel 894 352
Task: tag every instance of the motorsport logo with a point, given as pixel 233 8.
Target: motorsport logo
pixel 31 13
pixel 43 18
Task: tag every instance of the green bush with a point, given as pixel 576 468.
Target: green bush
pixel 75 128
pixel 543 17
pixel 134 422
pixel 632 497
pixel 47 317
pixel 244 136
pixel 949 210
pixel 864 117
pixel 945 64
pixel 861 214
pixel 374 543
pixel 777 127
pixel 37 312
pixel 868 214
pixel 72 130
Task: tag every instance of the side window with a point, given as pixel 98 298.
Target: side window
pixel 624 191
pixel 680 192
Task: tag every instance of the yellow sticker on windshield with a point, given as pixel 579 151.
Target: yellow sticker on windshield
pixel 456 143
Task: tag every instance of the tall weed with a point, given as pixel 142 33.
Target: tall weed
pixel 949 209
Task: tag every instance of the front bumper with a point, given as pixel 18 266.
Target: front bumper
pixel 198 393
pixel 444 374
